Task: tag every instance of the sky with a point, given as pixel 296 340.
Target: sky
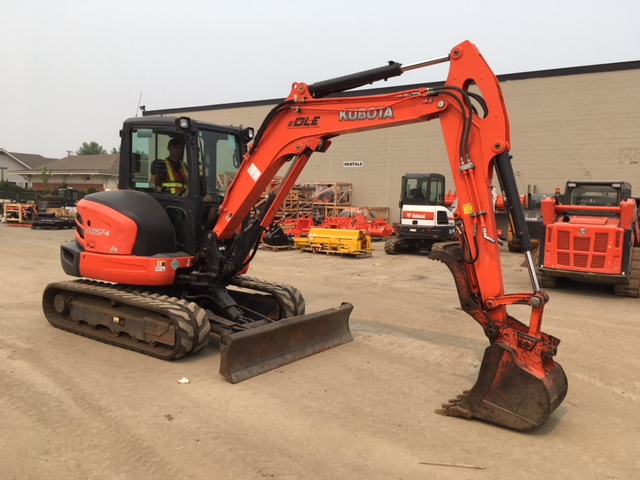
pixel 71 71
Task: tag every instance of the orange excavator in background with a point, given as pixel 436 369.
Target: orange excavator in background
pixel 162 272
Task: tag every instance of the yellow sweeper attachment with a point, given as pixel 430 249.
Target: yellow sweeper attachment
pixel 336 240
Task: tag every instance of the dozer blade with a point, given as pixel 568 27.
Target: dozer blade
pixel 508 395
pixel 252 352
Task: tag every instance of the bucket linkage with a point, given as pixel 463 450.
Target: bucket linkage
pixel 519 384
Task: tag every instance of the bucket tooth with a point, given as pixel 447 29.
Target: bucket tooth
pixel 508 395
pixel 251 352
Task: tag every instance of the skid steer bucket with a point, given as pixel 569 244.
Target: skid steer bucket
pixel 252 352
pixel 506 394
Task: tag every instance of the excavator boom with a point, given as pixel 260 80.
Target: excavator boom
pixel 520 384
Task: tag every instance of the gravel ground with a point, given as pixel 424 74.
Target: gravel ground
pixel 76 408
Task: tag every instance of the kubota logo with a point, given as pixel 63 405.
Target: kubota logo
pixel 583 232
pixel 371 113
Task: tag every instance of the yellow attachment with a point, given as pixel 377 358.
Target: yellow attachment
pixel 336 240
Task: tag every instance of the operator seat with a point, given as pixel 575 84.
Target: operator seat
pixel 416 193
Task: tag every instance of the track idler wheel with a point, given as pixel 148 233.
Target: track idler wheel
pixel 508 395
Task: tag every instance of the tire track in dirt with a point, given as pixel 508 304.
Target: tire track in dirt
pixel 416 349
pixel 625 389
pixel 35 389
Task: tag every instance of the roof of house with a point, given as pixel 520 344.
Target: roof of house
pixel 80 164
pixel 29 160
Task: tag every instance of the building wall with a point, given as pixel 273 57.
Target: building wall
pixel 579 127
pixel 80 182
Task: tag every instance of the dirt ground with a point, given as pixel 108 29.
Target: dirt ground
pixel 74 408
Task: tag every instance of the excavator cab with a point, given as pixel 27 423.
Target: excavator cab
pixel 209 162
pixel 422 189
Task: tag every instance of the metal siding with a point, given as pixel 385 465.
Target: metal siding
pixel 580 127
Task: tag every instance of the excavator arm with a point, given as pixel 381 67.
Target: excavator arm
pixel 519 383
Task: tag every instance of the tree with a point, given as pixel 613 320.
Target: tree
pixel 115 150
pixel 45 175
pixel 92 148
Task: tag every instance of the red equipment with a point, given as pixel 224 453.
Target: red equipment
pixel 357 218
pixel 187 254
pixel 592 235
pixel 300 227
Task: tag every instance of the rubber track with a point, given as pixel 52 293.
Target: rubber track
pixel 632 287
pixel 390 246
pixel 189 320
pixel 545 280
pixel 290 299
pixel 401 245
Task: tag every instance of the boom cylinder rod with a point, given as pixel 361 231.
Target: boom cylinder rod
pixel 426 63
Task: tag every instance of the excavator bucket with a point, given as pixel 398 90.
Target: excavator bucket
pixel 506 394
pixel 252 352
pixel 276 237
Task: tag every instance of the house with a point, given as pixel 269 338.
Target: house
pixel 82 172
pixel 11 162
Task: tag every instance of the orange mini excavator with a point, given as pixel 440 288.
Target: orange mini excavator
pixel 162 272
